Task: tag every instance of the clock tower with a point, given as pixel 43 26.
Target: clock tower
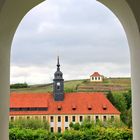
pixel 58 84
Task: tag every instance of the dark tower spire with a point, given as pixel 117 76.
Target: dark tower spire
pixel 58 65
pixel 58 84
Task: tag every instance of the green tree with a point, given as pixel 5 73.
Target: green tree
pixel 129 118
pixel 121 104
pixel 128 98
pixel 111 97
pixel 19 85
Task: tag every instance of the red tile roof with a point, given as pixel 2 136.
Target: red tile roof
pixel 95 74
pixel 80 101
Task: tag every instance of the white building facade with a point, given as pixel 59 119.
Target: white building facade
pixel 96 77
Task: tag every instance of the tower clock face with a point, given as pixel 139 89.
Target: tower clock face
pixel 58 83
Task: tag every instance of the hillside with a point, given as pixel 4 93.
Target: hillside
pixel 113 84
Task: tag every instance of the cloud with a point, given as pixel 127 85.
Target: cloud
pixel 84 34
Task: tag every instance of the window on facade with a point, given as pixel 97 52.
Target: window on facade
pixel 112 118
pixel 51 119
pixel 88 118
pixel 66 119
pixel 92 78
pixel 29 109
pixel 44 118
pixel 98 78
pixel 12 118
pixel 36 117
pixel 73 118
pixel 59 118
pixel 104 118
pixel 28 117
pixel 52 129
pixel 95 78
pixel 97 118
pixel 81 118
pixel 20 118
pixel 66 128
pixel 59 129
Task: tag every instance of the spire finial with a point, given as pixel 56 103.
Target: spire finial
pixel 58 64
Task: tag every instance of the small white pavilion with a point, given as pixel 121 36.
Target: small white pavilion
pixel 96 77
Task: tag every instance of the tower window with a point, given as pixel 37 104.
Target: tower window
pixel 58 85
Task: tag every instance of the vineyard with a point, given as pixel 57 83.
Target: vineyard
pixel 109 84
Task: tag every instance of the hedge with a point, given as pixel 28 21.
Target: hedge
pixel 97 133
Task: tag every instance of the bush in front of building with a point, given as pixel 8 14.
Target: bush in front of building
pixel 28 134
pixel 97 133
pixel 29 124
pixel 87 130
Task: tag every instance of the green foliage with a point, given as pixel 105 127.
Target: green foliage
pixel 128 98
pixel 19 85
pixel 129 118
pixel 29 124
pixel 98 133
pixel 28 134
pixel 110 97
pixel 75 126
pixel 122 101
pixel 85 131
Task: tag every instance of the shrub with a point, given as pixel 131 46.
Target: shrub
pixel 29 124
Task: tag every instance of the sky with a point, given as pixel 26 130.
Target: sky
pixel 86 35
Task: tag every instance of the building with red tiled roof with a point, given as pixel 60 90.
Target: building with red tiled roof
pixel 74 103
pixel 74 108
pixel 96 77
pixel 61 109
